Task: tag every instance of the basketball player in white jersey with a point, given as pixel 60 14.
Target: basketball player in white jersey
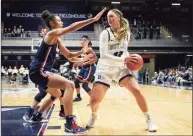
pixel 113 54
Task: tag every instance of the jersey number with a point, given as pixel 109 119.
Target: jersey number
pixel 118 54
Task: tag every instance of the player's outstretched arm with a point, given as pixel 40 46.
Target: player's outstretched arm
pixel 76 26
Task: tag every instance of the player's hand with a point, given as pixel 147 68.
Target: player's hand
pixel 130 58
pixel 127 59
pixel 77 64
pixel 98 16
pixel 83 64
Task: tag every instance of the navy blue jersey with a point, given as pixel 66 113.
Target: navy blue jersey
pixel 45 57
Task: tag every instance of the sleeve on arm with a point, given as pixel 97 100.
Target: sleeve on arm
pixel 104 48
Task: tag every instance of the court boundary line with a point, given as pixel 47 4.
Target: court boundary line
pixel 44 125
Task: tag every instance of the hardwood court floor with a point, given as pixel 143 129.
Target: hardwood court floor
pixel 119 114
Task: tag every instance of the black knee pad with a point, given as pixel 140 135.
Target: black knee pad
pixel 53 98
pixel 62 92
pixel 85 87
pixel 77 82
pixel 40 96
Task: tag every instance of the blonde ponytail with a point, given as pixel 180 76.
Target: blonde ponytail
pixel 124 31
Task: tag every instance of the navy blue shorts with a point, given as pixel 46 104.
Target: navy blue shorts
pixel 86 73
pixel 40 78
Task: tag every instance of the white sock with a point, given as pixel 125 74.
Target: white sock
pixel 147 116
pixel 94 114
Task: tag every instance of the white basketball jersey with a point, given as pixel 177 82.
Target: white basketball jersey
pixel 117 48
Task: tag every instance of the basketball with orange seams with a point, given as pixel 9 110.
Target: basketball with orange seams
pixel 135 62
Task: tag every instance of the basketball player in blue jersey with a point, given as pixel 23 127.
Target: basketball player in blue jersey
pixel 38 98
pixel 41 65
pixel 113 54
pixel 87 71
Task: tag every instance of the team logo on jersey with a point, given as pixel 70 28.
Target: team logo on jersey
pixel 114 46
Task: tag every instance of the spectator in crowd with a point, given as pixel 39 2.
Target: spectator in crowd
pixel 147 76
pixel 15 31
pixel 9 71
pixel 154 78
pixel 13 34
pixel 151 33
pixel 5 32
pixel 15 71
pixel 25 76
pixel 145 31
pixel 26 71
pixel 18 32
pixel 21 73
pixel 28 34
pixel 175 77
pixel 158 32
pixel 3 72
pixel 9 32
pixel 160 77
pixel 22 32
pixel 14 75
pixel 143 75
pixel 166 76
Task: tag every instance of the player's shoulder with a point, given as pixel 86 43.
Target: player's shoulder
pixel 90 50
pixel 106 30
pixel 104 33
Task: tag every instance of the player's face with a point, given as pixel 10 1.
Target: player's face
pixel 84 42
pixel 113 19
pixel 58 22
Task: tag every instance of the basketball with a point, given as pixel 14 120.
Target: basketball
pixel 135 62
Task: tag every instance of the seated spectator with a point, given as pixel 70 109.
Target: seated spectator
pixel 22 33
pixel 5 32
pixel 15 71
pixel 14 75
pixel 14 32
pixel 18 32
pixel 25 79
pixel 28 34
pixel 166 76
pixel 3 72
pixel 21 73
pixel 26 71
pixel 155 76
pixel 13 79
pixel 9 32
pixel 160 78
pixel 9 71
